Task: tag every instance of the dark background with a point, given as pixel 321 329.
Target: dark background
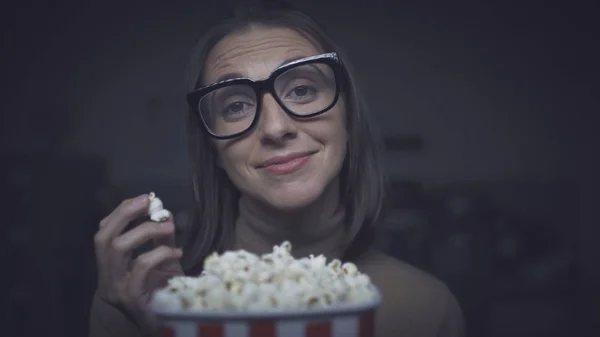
pixel 488 111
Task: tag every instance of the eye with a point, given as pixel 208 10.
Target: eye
pixel 301 93
pixel 301 90
pixel 237 109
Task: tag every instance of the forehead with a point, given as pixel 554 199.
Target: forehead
pixel 255 53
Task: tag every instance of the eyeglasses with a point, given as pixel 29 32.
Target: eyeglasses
pixel 304 88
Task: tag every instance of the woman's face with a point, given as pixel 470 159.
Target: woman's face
pixel 284 162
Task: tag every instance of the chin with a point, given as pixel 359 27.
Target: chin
pixel 291 198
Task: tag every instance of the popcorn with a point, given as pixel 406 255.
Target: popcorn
pixel 155 210
pixel 350 269
pixel 242 281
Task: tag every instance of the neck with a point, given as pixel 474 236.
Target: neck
pixel 315 229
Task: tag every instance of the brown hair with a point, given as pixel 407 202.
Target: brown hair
pixel 215 197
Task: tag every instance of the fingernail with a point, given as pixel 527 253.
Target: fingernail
pixel 178 251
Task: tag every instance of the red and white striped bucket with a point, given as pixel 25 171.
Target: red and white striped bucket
pixel 346 321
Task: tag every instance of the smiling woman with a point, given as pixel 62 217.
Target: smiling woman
pixel 282 149
pixel 290 136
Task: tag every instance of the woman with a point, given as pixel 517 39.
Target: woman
pixel 285 153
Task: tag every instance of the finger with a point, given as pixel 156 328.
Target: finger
pixel 115 222
pixel 165 240
pixel 168 239
pixel 146 262
pixel 130 240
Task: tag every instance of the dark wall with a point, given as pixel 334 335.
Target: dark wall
pixel 501 94
pixel 493 89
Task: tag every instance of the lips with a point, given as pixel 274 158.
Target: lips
pixel 286 164
pixel 279 160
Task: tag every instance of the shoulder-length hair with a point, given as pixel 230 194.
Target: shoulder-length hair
pixel 215 198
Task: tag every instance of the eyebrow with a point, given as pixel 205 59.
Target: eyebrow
pixel 234 75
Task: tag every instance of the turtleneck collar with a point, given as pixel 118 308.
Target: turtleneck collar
pixel 318 229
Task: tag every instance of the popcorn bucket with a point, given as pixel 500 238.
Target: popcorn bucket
pixel 339 321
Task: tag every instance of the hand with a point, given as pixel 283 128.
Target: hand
pixel 127 282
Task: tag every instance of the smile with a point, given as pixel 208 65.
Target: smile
pixel 286 164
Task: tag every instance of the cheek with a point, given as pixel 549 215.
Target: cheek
pixel 233 157
pixel 339 137
pixel 339 146
pixel 333 132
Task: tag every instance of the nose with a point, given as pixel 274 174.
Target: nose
pixel 275 125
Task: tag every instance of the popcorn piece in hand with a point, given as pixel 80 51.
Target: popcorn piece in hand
pixel 156 211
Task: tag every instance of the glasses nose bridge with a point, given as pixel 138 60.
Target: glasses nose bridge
pixel 273 118
pixel 264 87
pixel 271 109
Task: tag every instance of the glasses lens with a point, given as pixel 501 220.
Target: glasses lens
pixel 307 88
pixel 229 110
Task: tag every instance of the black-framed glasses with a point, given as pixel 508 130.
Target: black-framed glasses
pixel 304 88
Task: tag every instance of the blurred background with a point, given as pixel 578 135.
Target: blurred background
pixel 488 112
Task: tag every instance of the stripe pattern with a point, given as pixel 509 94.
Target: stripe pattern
pixel 339 326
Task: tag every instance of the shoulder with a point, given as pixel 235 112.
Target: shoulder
pixel 413 301
pixel 390 271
